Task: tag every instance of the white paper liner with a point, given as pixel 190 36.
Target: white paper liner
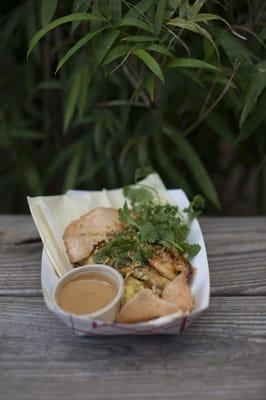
pixel 52 214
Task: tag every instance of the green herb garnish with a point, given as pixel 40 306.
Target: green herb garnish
pixel 195 207
pixel 148 223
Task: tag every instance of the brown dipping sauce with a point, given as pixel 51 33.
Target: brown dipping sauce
pixel 87 293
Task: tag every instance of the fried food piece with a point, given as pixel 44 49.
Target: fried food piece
pixel 178 292
pixel 143 307
pixel 129 269
pixel 152 277
pixel 141 278
pixel 81 236
pixel 169 263
pixel 132 287
pixel 80 246
pixel 87 260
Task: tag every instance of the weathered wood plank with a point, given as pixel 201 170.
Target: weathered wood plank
pixel 236 250
pixel 221 356
pixel 203 377
pixel 17 229
pixel 20 268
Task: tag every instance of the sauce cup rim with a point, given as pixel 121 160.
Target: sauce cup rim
pixel 101 268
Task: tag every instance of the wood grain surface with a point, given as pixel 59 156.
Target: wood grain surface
pixel 221 356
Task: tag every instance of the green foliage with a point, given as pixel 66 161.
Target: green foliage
pixel 190 63
pixel 161 83
pixel 150 61
pixel 194 163
pixel 60 21
pixel 48 8
pixel 255 88
pixel 76 47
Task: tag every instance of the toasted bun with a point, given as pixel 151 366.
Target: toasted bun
pixel 83 234
pixel 143 307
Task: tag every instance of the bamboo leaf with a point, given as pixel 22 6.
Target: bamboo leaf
pixel 137 23
pixel 103 7
pixel 255 88
pixel 234 48
pixel 60 21
pixel 192 76
pixel 89 173
pixel 72 98
pixel 79 6
pixel 206 17
pixel 170 170
pixel 125 152
pixel 194 164
pixel 196 7
pixel 193 27
pixel 173 4
pixel 61 157
pixel 149 85
pixel 189 25
pixel 139 9
pixel 140 38
pixel 209 17
pixel 160 49
pixel 150 61
pixel 72 171
pixel 115 7
pixel 220 80
pixel 48 8
pixel 32 176
pixel 96 10
pixel 184 8
pixel 80 43
pixel 191 63
pixel 159 15
pixel 254 120
pixel 102 46
pixel 86 75
pixel 115 53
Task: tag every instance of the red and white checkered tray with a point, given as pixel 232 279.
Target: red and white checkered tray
pixel 170 324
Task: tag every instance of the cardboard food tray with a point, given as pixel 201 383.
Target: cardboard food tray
pixel 170 324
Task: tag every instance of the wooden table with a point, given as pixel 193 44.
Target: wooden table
pixel 221 356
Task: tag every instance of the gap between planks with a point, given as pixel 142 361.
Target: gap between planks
pixel 21 293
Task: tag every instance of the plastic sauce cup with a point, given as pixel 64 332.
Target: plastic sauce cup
pixel 108 312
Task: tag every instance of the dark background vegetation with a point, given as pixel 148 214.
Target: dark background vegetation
pixel 71 130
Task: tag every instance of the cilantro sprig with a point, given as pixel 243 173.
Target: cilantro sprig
pixel 148 223
pixel 123 249
pixel 160 224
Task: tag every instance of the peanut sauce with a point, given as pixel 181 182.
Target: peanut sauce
pixel 87 293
